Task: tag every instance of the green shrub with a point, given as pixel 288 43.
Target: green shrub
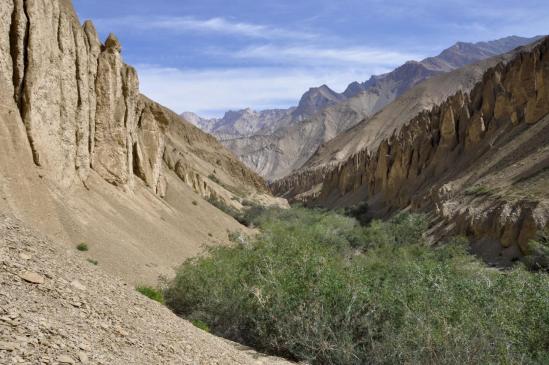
pixel 537 257
pixel 245 217
pixel 200 324
pixel 214 178
pixel 478 190
pixel 250 214
pixel 248 203
pixel 299 289
pixel 359 212
pixel 237 237
pixel 151 293
pixel 195 202
pixel 82 247
pixel 224 207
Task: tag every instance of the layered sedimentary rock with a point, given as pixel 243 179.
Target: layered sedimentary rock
pixel 82 110
pixel 479 159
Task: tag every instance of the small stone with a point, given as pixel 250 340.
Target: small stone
pixel 85 347
pixel 24 256
pixel 119 330
pixel 64 359
pixel 83 357
pixel 78 285
pixel 32 277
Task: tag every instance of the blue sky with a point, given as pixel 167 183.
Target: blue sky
pixel 209 56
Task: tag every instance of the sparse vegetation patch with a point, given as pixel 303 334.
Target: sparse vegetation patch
pixel 82 247
pixel 200 324
pixel 151 293
pixel 479 190
pixel 214 178
pixel 537 257
pixel 245 217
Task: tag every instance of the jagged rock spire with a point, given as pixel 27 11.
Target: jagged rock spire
pixel 112 42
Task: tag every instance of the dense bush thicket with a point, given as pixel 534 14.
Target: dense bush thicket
pixel 317 286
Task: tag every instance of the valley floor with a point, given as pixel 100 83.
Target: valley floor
pixel 56 308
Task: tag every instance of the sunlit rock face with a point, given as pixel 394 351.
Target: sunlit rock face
pixel 478 160
pixel 81 107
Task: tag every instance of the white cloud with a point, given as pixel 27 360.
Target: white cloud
pixel 211 91
pixel 324 56
pixel 277 72
pixel 217 25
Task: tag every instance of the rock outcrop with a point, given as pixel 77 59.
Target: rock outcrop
pixel 84 157
pixel 479 159
pixel 80 103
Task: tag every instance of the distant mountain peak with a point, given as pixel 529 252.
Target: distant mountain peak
pixel 315 99
pixel 324 87
pixel 328 113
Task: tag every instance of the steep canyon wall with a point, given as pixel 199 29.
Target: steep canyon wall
pixel 479 160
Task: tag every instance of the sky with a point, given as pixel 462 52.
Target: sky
pixel 210 56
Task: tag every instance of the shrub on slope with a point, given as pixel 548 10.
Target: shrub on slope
pixel 317 286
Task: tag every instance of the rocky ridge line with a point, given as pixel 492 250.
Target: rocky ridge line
pixel 276 143
pixel 441 154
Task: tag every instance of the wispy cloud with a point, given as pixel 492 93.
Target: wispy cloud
pixel 324 56
pixel 217 25
pixel 274 66
pixel 209 91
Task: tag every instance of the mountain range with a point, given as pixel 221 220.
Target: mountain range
pixel 276 142
pixel 112 206
pixel 469 146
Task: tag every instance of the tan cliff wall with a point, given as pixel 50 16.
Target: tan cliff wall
pixel 494 139
pixel 81 106
pixel 84 157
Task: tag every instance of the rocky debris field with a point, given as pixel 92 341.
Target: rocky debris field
pixel 56 308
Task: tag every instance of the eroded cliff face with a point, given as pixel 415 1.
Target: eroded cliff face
pixel 84 157
pixel 479 160
pixel 82 110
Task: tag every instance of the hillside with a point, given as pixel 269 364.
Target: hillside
pixel 86 158
pixel 478 160
pixel 284 145
pixel 57 308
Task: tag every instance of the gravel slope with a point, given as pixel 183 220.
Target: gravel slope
pixel 56 308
